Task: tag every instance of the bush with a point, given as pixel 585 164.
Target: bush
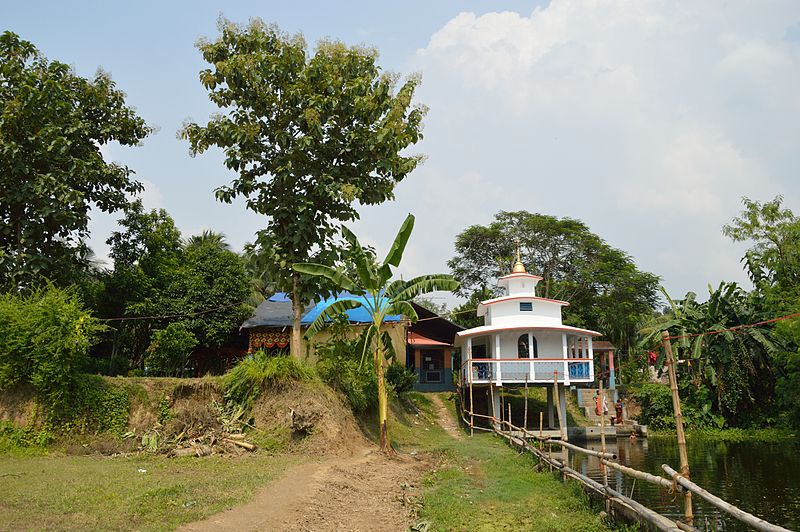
pixel 44 340
pixel 657 412
pixel 244 383
pixel 401 378
pixel 340 365
pixel 170 349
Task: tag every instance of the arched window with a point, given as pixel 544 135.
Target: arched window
pixel 523 351
pixel 522 346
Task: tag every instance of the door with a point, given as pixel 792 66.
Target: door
pixel 432 370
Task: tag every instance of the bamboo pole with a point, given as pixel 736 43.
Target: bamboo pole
pixel 652 517
pixel 741 515
pixel 471 405
pixel 509 415
pixel 525 419
pixel 641 475
pixel 541 422
pixel 599 454
pixel 561 421
pixel 676 406
pixel 603 431
pixel 491 398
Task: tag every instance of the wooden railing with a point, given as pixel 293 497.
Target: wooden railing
pixel 520 437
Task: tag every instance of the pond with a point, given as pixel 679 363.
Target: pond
pixel 760 478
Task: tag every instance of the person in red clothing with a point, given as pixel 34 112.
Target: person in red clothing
pixel 598 404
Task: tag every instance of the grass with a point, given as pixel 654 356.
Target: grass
pixel 480 483
pixel 102 493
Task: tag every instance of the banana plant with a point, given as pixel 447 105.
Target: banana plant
pixel 372 290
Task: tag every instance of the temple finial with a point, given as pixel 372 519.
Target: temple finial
pixel 518 266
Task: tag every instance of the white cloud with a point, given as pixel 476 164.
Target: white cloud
pixel 646 119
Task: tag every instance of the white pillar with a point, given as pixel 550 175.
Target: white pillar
pixel 499 376
pixel 496 406
pixel 591 359
pixel 468 352
pixel 565 371
pixel 531 369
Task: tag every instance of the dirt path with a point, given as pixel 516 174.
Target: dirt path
pixel 367 491
pixel 445 417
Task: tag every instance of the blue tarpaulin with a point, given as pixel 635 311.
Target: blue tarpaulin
pixel 357 315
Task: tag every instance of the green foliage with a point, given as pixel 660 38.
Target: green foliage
pixel 14 439
pixel 96 407
pixel 729 373
pixel 53 124
pixel 260 371
pixel 308 135
pixel 164 413
pixel 379 297
pixel 606 290
pixel 157 274
pixel 340 364
pixel 401 378
pixel 170 349
pixel 657 412
pixel 44 339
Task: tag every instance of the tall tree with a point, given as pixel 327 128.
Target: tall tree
pixel 606 290
pixel 372 290
pixel 201 284
pixel 52 126
pixel 308 135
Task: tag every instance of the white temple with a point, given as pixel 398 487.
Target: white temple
pixel 523 340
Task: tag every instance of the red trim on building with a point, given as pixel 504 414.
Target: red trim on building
pixel 511 298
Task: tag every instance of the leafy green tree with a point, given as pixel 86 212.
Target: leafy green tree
pixel 308 135
pixel 169 351
pixel 52 172
pixel 773 261
pixel 606 290
pixel 200 283
pixel 45 336
pixel 729 373
pixel 373 291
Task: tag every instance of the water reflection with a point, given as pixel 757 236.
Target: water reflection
pixel 760 478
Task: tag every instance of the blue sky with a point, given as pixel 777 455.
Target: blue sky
pixel 648 120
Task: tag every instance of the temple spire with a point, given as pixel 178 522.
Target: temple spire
pixel 518 266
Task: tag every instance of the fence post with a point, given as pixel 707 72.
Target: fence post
pixel 525 420
pixel 676 406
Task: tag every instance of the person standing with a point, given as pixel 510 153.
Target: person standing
pixel 618 408
pixel 598 408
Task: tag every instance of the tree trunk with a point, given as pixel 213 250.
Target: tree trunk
pixel 296 344
pixel 383 398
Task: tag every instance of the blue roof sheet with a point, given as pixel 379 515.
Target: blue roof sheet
pixel 357 315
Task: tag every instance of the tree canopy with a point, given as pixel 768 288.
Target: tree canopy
pixel 52 172
pixel 606 290
pixel 308 136
pixel 156 273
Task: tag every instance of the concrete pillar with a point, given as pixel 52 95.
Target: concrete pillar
pixel 612 378
pixel 562 404
pixel 551 412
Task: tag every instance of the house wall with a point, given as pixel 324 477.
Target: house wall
pixel 447 372
pixel 548 342
pixel 397 332
pixel 507 313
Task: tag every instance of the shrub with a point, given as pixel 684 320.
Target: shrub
pixel 401 378
pixel 44 340
pixel 259 371
pixel 170 349
pixel 340 365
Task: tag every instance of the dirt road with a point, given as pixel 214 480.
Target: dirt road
pixel 368 491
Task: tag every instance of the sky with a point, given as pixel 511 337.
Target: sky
pixel 649 120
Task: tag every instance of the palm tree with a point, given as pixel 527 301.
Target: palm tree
pixel 380 298
pixel 209 237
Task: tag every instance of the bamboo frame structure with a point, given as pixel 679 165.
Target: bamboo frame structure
pixel 741 515
pixel 676 406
